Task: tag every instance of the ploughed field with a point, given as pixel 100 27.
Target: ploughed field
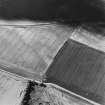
pixel 80 69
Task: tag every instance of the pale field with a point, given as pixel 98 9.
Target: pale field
pixel 93 40
pixel 12 89
pixel 54 96
pixel 31 48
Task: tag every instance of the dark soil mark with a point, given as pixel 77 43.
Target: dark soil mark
pixel 29 90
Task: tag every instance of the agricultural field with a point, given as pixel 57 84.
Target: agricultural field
pixel 27 53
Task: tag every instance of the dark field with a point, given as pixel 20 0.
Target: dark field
pixel 79 69
pixel 66 11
